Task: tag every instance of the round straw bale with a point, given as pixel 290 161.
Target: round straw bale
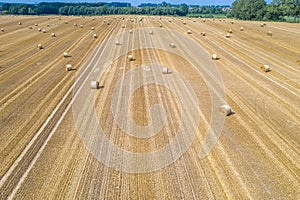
pixel 68 67
pixel 172 45
pixel 94 84
pixel 265 68
pixel 165 70
pixel 214 56
pixel 269 33
pixel 225 109
pixel 40 46
pixel 130 57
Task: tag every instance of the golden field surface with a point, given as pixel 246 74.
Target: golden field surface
pixel 42 156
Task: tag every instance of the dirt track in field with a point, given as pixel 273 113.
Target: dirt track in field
pixel 42 155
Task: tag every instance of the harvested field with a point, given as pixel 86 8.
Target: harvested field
pixel 45 142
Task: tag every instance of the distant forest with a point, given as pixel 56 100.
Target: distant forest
pixel 277 10
pixel 111 9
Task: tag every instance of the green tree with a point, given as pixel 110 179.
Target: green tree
pixel 23 10
pixel 31 11
pixel 249 9
pixel 291 8
pixel 13 10
pixel 184 9
pixel 279 9
pixel 63 10
pixel 274 11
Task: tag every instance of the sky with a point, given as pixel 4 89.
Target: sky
pixel 135 2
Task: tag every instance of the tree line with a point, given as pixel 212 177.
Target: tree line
pixel 108 9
